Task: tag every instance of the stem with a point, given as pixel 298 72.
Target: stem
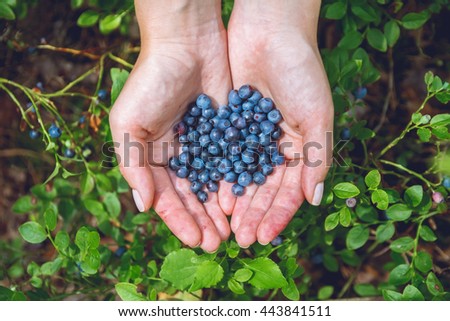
pixel 403 168
pixel 69 50
pixel 120 60
pixel 14 99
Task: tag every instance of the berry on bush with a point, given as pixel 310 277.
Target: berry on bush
pixel 34 134
pixel 69 153
pixel 446 182
pixel 350 202
pixel 345 134
pixel 54 131
pixel 102 94
pixel 360 93
pixel 277 241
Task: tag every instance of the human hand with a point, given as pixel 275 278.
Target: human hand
pixel 174 66
pixel 275 49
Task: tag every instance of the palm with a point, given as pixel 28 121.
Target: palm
pixel 292 74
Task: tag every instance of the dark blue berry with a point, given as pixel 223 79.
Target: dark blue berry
pixel 276 134
pixel 216 134
pixel 223 124
pixel 183 139
pixel 231 134
pixel 259 178
pixel 259 117
pixel 254 128
pixel 203 176
pixel 274 116
pixel 212 186
pixel 215 121
pixel 196 186
pixel 202 119
pixel 248 106
pixel 33 134
pixel 233 117
pixel 267 127
pixel 239 167
pixel 264 140
pixel 252 168
pixel 236 108
pixel 243 133
pixel 223 144
pixel 102 94
pixel 248 115
pixel 180 128
pixel 193 176
pixel 193 136
pixel 277 241
pixel 190 120
pixel 224 112
pixel 54 131
pixel 252 141
pixel 225 165
pixel 182 172
pixel 195 111
pixel 215 175
pixel 345 134
pixel 82 119
pixel 255 97
pixel 277 158
pixel 234 148
pixel 230 177
pixel 195 149
pixel 69 153
pixel 203 101
pixel 120 251
pixel 266 104
pixel 198 163
pixel 208 113
pixel 239 123
pixel 360 92
pixel 267 169
pixel 245 91
pixel 237 190
pixel 185 158
pixel 446 182
pixel 264 158
pixel 204 140
pixel 248 156
pixel 204 128
pixel 244 179
pixel 214 148
pixel 202 196
pixel 233 98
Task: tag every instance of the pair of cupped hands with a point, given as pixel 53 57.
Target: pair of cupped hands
pixel 178 63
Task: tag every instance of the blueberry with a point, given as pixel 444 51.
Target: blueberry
pixel 257 109
pixel 69 153
pixel 259 117
pixel 204 128
pixel 182 172
pixel 216 134
pixel 234 148
pixel 317 259
pixel 254 128
pixel 239 167
pixel 185 158
pixel 345 134
pixel 215 121
pixel 248 106
pixel 271 148
pixel 276 134
pixel 245 179
pixel 259 178
pixel 204 140
pixel 224 166
pixel 193 136
pixel 193 176
pixel 190 120
pixel 230 177
pixel 233 98
pixel 224 112
pixel 205 156
pixel 239 123
pixel 215 175
pixel 210 164
pixel 102 94
pixel 264 158
pixel 255 97
pixel 252 141
pixel 446 182
pixel 245 91
pixel 198 163
pixel 208 113
pixel 54 131
pixel 120 251
pixel 277 241
pixel 195 111
pixel 180 128
pixel 248 156
pixel 223 124
pixel 266 104
pixel 214 149
pixel 274 116
pixel 350 202
pixel 40 85
pixel 195 149
pixel 33 134
pixel 82 119
pixel 277 158
pixel 360 92
pixel 243 133
pixel 196 186
pixel 203 176
pixel 231 134
pixel 203 101
pixel 236 108
pixel 237 190
pixel 183 139
pixel 267 169
pixel 223 144
pixel 252 168
pixel 202 119
pixel 264 140
pixel 248 115
pixel 233 117
pixel 233 158
pixel 213 187
pixel 202 196
pixel 267 127
pixel 185 148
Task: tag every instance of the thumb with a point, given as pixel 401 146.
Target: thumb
pixel 317 159
pixel 132 157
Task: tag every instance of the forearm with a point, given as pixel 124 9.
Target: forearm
pixel 160 20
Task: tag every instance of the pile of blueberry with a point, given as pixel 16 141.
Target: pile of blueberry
pixel 236 143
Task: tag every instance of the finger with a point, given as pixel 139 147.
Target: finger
pixel 216 214
pixel 241 206
pixel 173 212
pixel 227 200
pixel 286 203
pixel 317 159
pixel 210 240
pixel 132 154
pixel 260 204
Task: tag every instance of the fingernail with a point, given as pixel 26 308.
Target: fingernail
pixel 138 200
pixel 318 193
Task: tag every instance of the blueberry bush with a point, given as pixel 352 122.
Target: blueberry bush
pixel 381 231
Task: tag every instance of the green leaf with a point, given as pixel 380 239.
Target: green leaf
pixel 23 205
pixel 266 274
pixel 50 218
pixel 373 179
pixel 62 240
pixel 414 20
pixel 331 221
pixel 365 13
pixel 402 245
pixel 208 274
pixel 87 240
pixel 424 134
pixel 75 4
pixel 128 292
pixel 179 268
pixel 345 217
pixel 243 275
pixel 357 237
pixel 414 195
pixel 428 78
pixel 401 274
pixel 325 292
pixel 290 290
pixel 109 23
pixel 381 199
pixel 345 190
pixel 433 284
pixel 366 290
pixel 390 295
pixel 398 212
pixel 427 234
pixel 6 12
pixel 119 77
pixel 351 40
pixel 88 18
pixel 385 232
pixel 235 286
pixel 411 293
pixel 141 218
pixel 416 117
pixel 440 120
pixel 436 85
pixel 423 262
pixel 377 39
pixel 336 11
pixel 112 204
pixel 95 207
pixel 330 262
pixel 87 184
pixel 32 232
pixel 392 32
pixel 50 268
